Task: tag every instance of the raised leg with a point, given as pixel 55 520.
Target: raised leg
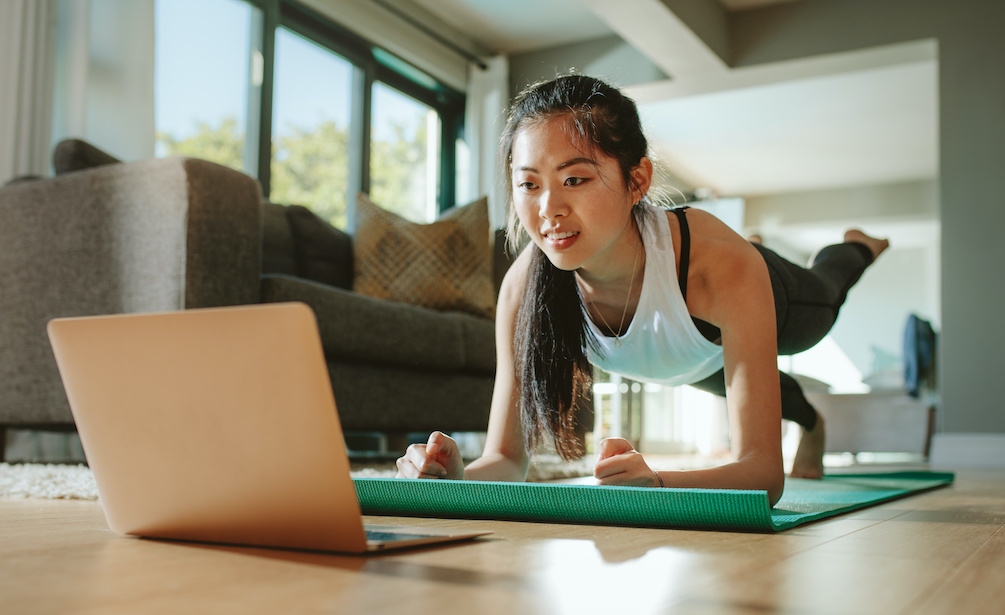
pixel 876 245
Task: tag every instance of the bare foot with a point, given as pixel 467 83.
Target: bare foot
pixel 875 245
pixel 809 461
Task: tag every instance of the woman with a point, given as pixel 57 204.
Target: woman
pixel 673 297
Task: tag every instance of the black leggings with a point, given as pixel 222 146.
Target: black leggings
pixel 806 305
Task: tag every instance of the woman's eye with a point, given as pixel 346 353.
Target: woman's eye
pixel 526 186
pixel 575 181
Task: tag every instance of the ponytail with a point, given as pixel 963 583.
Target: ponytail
pixel 552 335
pixel 550 354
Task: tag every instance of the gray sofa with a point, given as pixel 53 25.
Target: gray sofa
pixel 105 237
pixel 395 368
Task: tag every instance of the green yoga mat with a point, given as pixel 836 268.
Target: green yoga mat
pixel 711 509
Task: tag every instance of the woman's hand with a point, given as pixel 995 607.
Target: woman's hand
pixel 620 464
pixel 439 457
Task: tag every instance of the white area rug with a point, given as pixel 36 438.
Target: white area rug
pixel 47 481
pixel 76 482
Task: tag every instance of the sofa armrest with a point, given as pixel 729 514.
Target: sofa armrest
pixel 145 236
pixel 155 235
pixel 223 234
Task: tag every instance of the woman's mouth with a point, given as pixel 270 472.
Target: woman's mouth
pixel 562 239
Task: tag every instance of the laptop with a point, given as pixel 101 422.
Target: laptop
pixel 218 425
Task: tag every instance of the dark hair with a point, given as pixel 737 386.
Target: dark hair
pixel 552 334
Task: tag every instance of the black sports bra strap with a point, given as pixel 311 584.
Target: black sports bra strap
pixel 685 248
pixel 708 330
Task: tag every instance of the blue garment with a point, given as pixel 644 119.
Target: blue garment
pixel 919 354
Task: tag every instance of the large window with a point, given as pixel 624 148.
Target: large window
pixel 404 154
pixel 310 127
pixel 201 79
pixel 316 113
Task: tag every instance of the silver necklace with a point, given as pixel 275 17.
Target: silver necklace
pixel 618 333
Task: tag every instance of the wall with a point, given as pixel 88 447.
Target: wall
pixel 104 75
pixel 972 147
pixel 26 36
pixel 901 202
pixel 873 320
pixel 869 329
pixel 391 30
pixel 608 58
pixel 972 144
pixel 972 96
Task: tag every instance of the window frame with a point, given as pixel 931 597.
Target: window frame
pixel 367 69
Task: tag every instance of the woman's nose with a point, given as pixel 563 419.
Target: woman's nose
pixel 552 206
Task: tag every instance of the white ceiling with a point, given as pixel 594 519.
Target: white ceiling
pixel 869 127
pixel 865 118
pixel 516 26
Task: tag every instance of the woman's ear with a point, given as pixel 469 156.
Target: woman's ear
pixel 642 178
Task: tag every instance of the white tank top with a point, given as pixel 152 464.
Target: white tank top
pixel 662 344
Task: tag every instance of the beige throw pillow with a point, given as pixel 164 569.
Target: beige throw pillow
pixel 445 265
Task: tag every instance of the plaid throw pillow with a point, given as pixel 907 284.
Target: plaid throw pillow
pixel 445 265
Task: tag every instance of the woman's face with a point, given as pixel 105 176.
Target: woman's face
pixel 573 203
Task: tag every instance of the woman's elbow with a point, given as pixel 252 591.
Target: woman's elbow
pixel 766 473
pixel 774 484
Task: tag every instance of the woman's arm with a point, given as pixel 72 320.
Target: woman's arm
pixel 504 457
pixel 730 288
pixel 735 289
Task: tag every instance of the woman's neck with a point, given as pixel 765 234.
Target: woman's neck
pixel 621 282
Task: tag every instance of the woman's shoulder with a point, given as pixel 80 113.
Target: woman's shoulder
pixel 515 281
pixel 701 219
pixel 720 257
pixel 521 264
pixel 708 230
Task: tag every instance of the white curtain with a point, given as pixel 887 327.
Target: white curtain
pixel 70 69
pixel 485 118
pixel 26 78
pixel 104 75
pixel 74 68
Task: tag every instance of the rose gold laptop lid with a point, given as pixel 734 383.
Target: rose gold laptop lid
pixel 215 425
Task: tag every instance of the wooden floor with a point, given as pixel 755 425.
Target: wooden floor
pixel 938 552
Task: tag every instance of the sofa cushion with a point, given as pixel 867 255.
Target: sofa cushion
pixel 277 240
pixel 76 155
pixel 368 331
pixel 322 252
pixel 297 242
pixel 389 399
pixel 445 265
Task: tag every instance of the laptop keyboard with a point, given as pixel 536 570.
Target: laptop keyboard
pixel 379 536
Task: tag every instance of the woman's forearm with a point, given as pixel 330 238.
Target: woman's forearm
pixel 496 467
pixel 746 474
